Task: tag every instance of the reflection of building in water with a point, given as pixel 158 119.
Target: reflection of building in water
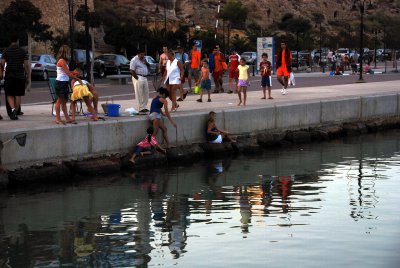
pixel 362 191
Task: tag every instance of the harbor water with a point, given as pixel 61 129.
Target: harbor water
pixel 333 204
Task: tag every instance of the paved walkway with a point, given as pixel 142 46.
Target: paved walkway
pixel 39 116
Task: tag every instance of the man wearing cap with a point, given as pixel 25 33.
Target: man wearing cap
pixel 139 68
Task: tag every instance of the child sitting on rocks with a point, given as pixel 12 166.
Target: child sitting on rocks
pixel 146 145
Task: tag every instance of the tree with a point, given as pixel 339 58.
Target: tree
pixel 22 17
pixel 235 14
pixel 296 25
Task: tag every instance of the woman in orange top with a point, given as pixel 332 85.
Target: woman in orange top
pixel 284 64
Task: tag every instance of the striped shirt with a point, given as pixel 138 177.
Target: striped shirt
pixel 15 57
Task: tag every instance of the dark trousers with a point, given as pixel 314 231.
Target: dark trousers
pixel 8 107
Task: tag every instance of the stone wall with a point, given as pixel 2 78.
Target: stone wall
pixel 54 12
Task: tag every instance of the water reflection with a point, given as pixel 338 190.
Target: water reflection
pixel 169 217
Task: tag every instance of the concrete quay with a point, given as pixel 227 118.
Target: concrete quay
pixel 301 107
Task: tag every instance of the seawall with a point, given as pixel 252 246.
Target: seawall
pixel 53 143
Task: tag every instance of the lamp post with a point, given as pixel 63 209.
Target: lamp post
pixel 375 44
pixel 360 6
pixel 87 40
pixel 71 31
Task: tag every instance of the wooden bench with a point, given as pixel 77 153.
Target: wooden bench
pixel 119 79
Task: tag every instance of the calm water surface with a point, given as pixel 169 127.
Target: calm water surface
pixel 318 205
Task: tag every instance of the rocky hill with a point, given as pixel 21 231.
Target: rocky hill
pixel 262 12
pixel 265 13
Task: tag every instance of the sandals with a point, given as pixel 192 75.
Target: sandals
pixel 72 122
pixel 60 122
pixel 185 94
pixel 175 108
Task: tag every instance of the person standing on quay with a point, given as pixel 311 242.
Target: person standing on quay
pixel 181 56
pixel 244 74
pixel 234 59
pixel 284 64
pixel 163 61
pixel 194 70
pixel 265 69
pixel 17 76
pixel 218 70
pixel 173 77
pixel 62 85
pixel 139 68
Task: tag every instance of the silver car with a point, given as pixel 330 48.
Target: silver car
pixel 43 66
pixel 250 57
pixel 153 64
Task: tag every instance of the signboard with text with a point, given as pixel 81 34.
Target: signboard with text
pixel 265 45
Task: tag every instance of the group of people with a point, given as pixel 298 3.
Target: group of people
pixel 17 79
pixel 175 68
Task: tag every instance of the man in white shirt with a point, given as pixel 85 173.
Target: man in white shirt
pixel 139 68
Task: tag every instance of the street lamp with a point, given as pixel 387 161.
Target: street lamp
pixel 71 31
pixel 360 6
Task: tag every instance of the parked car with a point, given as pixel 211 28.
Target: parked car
pixel 115 63
pixel 317 55
pixel 341 52
pixel 153 64
pixel 304 58
pixel 43 66
pixel 80 62
pixel 250 57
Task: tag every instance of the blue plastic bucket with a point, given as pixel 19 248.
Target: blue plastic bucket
pixel 113 109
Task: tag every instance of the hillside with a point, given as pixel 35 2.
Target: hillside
pixel 203 12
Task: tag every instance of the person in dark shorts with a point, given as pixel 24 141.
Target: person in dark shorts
pixel 17 76
pixel 205 81
pixel 265 70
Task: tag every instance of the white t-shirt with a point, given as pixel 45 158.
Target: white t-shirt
pixel 138 66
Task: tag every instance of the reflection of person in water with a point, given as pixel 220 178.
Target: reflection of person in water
pixel 177 212
pixel 267 187
pixel 214 171
pixel 18 249
pixel 284 187
pixel 245 209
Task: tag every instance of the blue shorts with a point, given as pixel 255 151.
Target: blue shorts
pixel 139 149
pixel 206 84
pixel 266 81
